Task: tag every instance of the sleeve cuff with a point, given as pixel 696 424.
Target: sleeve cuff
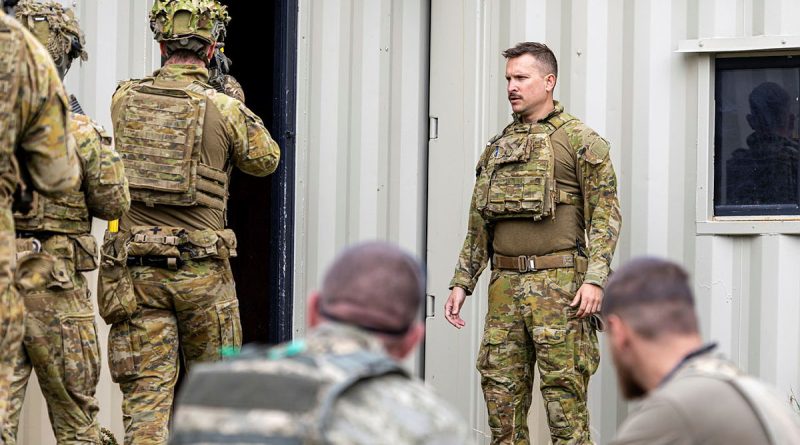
pixel 467 285
pixel 596 279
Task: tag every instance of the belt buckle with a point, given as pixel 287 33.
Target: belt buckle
pixel 526 264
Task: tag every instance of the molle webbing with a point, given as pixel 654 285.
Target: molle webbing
pixel 66 214
pixel 9 58
pixel 160 137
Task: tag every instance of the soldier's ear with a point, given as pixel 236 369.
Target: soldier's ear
pixel 409 342
pixel 313 315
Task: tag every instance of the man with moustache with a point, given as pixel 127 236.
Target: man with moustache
pixel 545 212
pixel 692 394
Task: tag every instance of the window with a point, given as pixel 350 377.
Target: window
pixel 757 136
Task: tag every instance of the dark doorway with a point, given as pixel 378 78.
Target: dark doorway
pixel 262 43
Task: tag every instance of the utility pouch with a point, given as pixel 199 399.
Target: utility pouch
pixel 116 300
pixel 85 253
pixel 157 241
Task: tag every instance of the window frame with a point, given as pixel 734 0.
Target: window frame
pixel 706 52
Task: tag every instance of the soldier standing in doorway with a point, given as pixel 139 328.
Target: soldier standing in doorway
pixel 33 145
pixel 545 213
pixel 54 235
pixel 165 280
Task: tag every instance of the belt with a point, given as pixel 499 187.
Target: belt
pixel 524 263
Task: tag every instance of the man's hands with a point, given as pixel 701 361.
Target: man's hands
pixel 589 296
pixel 452 309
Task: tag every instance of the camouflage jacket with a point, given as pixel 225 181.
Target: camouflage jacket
pixel 104 188
pixel 386 407
pixel 33 123
pixel 601 210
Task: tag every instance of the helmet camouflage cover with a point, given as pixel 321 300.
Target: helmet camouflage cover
pixel 57 29
pixel 181 19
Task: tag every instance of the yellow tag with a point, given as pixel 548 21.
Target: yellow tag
pixel 113 226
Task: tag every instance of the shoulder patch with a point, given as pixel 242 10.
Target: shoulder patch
pixel 597 151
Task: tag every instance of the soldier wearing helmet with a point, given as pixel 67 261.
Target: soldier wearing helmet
pixel 33 147
pixel 165 280
pixel 54 241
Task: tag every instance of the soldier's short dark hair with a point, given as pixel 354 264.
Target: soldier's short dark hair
pixel 653 296
pixel 539 51
pixel 376 286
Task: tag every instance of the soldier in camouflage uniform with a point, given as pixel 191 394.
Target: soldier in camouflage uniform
pixel 165 280
pixel 545 190
pixel 33 143
pixel 341 385
pixel 54 237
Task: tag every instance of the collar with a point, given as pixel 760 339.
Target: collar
pixel 557 109
pixel 705 349
pixel 182 73
pixel 341 338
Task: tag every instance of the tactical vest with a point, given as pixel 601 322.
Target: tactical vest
pixel 781 425
pixel 66 214
pixel 159 137
pixel 306 395
pixel 516 175
pixel 9 85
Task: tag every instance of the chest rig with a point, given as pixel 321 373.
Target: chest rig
pixel 516 175
pixel 159 137
pixel 9 86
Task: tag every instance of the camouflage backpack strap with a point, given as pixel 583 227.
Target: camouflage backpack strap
pixel 358 367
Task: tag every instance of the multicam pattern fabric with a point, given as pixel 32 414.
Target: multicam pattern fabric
pixel 529 322
pixel 208 19
pixel 60 343
pixel 529 317
pixel 104 192
pixel 182 179
pixel 55 27
pixel 602 216
pixel 33 119
pixel 336 387
pixel 191 313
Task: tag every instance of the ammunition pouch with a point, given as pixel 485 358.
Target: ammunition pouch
pixel 116 300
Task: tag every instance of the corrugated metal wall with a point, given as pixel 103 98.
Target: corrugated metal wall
pixel 620 73
pixel 120 46
pixel 361 130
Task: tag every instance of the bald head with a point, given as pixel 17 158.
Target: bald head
pixel 375 286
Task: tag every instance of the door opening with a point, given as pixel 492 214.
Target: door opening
pixel 262 43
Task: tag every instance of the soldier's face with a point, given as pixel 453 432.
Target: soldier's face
pixel 624 357
pixel 529 87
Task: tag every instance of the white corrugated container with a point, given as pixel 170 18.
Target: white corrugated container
pixel 365 168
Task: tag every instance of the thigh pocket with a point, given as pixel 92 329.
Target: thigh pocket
pixel 124 352
pixel 551 350
pixel 80 353
pixel 493 349
pixel 230 327
pixel 587 349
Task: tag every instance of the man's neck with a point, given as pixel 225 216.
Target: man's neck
pixel 540 112
pixel 660 357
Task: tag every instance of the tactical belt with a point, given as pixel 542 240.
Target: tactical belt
pixel 533 263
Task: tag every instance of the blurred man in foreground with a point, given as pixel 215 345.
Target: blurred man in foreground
pixel 691 394
pixel 341 385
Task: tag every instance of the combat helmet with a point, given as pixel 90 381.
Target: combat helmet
pixel 57 29
pixel 189 24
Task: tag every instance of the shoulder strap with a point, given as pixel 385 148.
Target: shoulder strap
pixel 358 367
pixel 559 120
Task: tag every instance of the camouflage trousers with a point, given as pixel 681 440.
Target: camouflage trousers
pixel 60 345
pixel 191 311
pixel 12 315
pixel 529 321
